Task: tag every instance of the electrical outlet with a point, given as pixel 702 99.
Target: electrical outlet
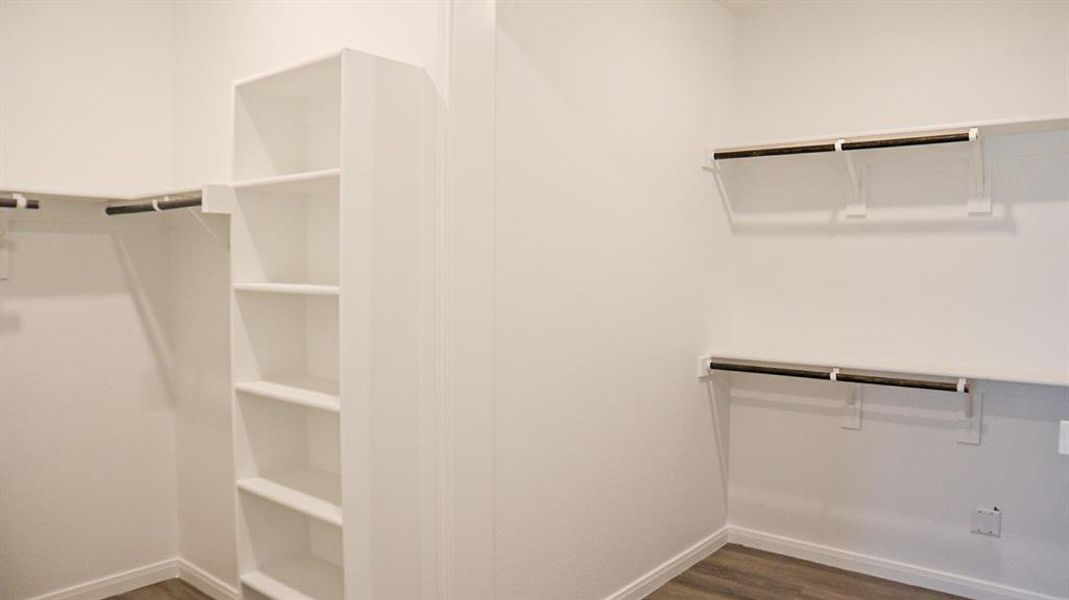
pixel 987 521
pixel 1063 438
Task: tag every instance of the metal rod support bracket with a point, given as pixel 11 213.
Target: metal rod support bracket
pixel 710 163
pixel 857 207
pixel 973 422
pixel 979 202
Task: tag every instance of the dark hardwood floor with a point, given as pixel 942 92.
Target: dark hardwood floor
pixel 738 573
pixel 172 589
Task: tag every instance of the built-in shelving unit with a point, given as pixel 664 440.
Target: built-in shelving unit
pixel 333 159
pixel 285 257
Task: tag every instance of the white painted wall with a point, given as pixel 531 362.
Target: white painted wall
pixel 85 95
pixel 606 238
pixel 220 42
pixel 826 68
pixel 87 470
pixel 87 436
pixel 986 292
pixel 198 261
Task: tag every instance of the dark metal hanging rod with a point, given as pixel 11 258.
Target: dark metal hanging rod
pixel 155 205
pixel 843 145
pixel 961 385
pixel 18 201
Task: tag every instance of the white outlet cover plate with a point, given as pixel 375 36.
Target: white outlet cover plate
pixel 986 521
pixel 1063 438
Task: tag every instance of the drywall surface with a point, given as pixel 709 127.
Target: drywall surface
pixel 198 336
pixel 85 95
pixel 87 470
pixel 221 42
pixel 605 449
pixel 901 488
pixel 916 282
pixel 827 68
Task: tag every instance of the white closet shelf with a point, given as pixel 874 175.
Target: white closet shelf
pixel 298 578
pixel 940 370
pixel 308 391
pixel 309 182
pixel 308 289
pixel 1055 122
pixel 308 491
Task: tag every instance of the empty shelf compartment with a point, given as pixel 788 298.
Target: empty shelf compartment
pixel 298 578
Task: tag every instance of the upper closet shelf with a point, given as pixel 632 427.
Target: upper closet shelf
pixel 950 133
pixel 1009 375
pixel 119 204
pixel 822 181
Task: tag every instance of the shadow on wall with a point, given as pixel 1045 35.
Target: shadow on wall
pixel 70 241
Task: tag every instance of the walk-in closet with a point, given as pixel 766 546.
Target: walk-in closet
pixel 534 300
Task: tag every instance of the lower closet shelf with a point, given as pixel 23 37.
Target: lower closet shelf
pixel 308 391
pixel 309 491
pixel 298 578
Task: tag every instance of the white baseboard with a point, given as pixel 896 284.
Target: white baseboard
pixel 208 584
pixel 117 583
pixel 663 573
pixel 882 568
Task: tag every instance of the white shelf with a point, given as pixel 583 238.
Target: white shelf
pixel 308 491
pixel 940 370
pixel 308 289
pixel 299 578
pixel 1057 122
pixel 309 182
pixel 308 391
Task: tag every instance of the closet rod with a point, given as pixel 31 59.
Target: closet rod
pixel 18 201
pixel 836 375
pixel 154 205
pixel 844 144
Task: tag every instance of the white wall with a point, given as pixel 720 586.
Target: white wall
pixel 85 95
pixel 86 428
pixel 988 292
pixel 198 335
pixel 86 425
pixel 828 68
pixel 220 42
pixel 606 238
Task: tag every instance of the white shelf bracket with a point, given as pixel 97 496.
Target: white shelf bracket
pixel 710 164
pixel 5 251
pixel 973 414
pixel 979 202
pixel 851 416
pixel 857 207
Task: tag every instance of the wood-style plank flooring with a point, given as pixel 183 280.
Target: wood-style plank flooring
pixel 739 573
pixel 732 573
pixel 172 589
